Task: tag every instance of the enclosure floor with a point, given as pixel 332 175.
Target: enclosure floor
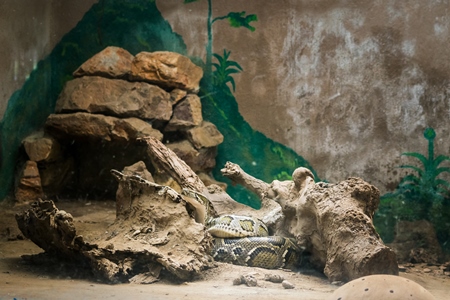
pixel 21 279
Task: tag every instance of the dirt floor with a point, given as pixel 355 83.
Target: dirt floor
pixel 21 277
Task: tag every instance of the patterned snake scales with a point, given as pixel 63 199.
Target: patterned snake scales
pixel 238 240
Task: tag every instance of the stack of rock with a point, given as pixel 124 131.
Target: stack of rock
pixel 114 98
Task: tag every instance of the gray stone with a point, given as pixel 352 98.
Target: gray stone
pixel 115 97
pixel 112 62
pixel 167 69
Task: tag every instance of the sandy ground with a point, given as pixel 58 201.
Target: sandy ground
pixel 22 279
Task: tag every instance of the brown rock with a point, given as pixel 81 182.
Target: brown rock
pixel 98 127
pixel 176 95
pixel 198 160
pixel 112 62
pixel 29 187
pixel 186 114
pixel 115 97
pixel 167 69
pixel 54 168
pixel 205 135
pixel 40 147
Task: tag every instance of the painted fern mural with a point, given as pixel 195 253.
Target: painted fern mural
pixel 422 194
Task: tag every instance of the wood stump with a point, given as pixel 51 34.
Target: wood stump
pixel 332 221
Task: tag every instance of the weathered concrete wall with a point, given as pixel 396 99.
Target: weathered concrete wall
pixel 29 31
pixel 349 85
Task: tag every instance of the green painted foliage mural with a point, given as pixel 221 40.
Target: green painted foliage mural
pixel 419 195
pixel 224 69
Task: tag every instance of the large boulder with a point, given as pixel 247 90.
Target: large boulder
pixel 118 98
pixel 112 62
pixel 168 69
pixel 98 127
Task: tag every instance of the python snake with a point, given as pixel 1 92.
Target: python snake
pixel 239 240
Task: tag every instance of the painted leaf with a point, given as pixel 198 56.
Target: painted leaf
pixel 419 156
pixel 238 19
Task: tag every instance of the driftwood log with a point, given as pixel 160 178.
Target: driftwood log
pixel 332 221
pixel 152 237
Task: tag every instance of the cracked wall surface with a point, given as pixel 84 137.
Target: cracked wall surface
pixel 349 85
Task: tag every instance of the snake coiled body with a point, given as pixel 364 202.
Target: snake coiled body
pixel 239 240
pixel 232 226
pixel 245 241
pixel 270 252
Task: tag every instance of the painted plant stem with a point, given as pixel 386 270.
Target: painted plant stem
pixel 209 45
pixel 236 19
